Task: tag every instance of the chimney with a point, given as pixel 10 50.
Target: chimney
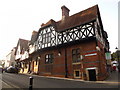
pixel 34 32
pixel 42 24
pixel 65 12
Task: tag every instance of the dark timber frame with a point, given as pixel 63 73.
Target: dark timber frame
pixel 49 37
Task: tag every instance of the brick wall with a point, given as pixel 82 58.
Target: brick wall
pixel 57 68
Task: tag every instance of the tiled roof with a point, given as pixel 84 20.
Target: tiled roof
pixel 75 20
pixel 51 21
pixel 78 19
pixel 23 44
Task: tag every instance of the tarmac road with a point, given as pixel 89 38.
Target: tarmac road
pixel 22 81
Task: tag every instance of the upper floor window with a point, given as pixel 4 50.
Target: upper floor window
pixel 46 37
pixel 49 58
pixel 76 55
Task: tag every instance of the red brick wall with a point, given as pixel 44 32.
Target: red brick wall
pixel 57 68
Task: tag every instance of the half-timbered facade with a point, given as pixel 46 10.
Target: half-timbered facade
pixel 33 58
pixel 73 47
pixel 22 55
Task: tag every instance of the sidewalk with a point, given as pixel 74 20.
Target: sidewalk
pixel 112 79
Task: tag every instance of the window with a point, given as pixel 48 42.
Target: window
pixel 76 55
pixel 46 37
pixel 49 58
pixel 77 74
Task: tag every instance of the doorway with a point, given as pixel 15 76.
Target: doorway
pixel 92 74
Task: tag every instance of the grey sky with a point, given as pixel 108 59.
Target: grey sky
pixel 18 18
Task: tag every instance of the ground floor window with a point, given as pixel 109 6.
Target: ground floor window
pixel 76 55
pixel 49 58
pixel 77 74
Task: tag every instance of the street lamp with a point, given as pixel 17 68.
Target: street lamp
pixel 59 53
pixel 38 57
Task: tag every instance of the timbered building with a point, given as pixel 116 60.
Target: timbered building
pixel 73 47
pixel 33 58
pixel 22 55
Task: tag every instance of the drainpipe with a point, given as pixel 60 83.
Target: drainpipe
pixel 66 68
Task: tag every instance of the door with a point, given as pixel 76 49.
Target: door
pixel 92 75
pixel 32 66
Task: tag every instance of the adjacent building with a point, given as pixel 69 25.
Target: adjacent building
pixel 21 55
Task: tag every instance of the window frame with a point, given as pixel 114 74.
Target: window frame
pixel 76 55
pixel 49 58
pixel 80 74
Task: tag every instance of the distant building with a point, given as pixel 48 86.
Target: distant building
pixel 2 63
pixel 7 61
pixel 10 58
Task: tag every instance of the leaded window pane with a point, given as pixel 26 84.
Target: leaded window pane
pixel 76 55
pixel 49 58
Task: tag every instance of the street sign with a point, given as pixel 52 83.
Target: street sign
pixel 108 55
pixel 91 54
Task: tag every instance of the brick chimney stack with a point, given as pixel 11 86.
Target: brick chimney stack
pixel 34 32
pixel 65 12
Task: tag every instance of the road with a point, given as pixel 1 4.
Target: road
pixel 22 81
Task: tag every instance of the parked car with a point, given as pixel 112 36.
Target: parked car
pixel 114 65
pixel 12 69
pixel 5 69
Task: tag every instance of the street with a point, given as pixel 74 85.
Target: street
pixel 22 81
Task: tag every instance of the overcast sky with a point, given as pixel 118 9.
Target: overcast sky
pixel 18 18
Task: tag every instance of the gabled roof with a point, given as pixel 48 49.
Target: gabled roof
pixel 23 44
pixel 50 22
pixel 75 20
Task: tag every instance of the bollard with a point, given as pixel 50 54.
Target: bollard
pixel 31 83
